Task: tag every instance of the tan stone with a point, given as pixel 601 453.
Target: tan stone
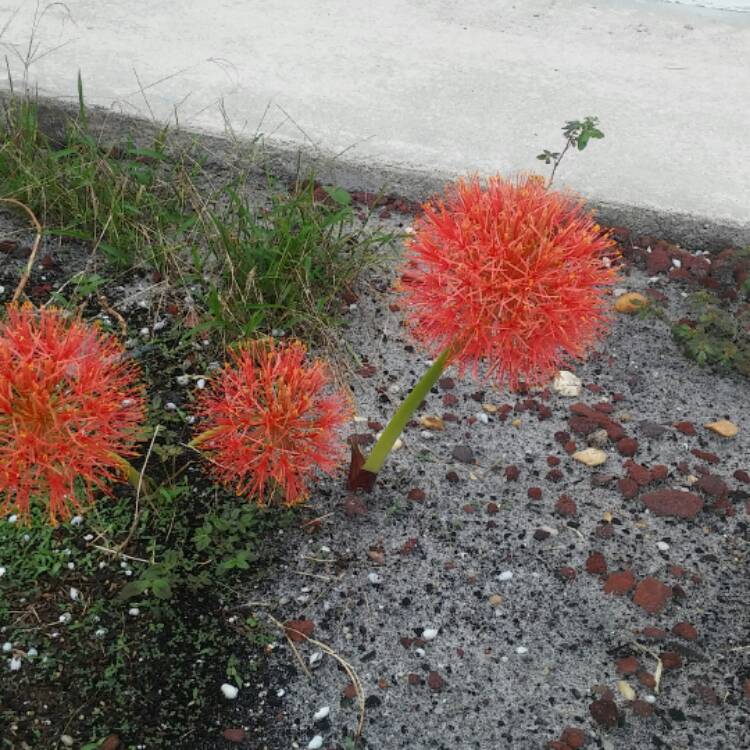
pixel 723 427
pixel 630 303
pixel 432 423
pixel 496 600
pixel 591 456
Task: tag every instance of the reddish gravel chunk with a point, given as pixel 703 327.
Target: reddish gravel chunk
pixel 713 485
pixel 619 583
pixel 685 631
pixel 573 737
pixel 512 473
pixel 596 564
pixel 566 506
pixel 604 712
pixel 655 634
pixel 641 708
pixel 710 458
pixel 686 428
pixel 435 681
pixel 659 473
pixel 534 493
pixel 637 472
pixel 628 487
pixel 670 660
pixel 742 476
pixel 566 573
pixel 652 595
pixel 628 665
pixel 627 446
pixel 673 503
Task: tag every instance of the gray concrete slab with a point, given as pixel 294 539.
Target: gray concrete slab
pixel 430 87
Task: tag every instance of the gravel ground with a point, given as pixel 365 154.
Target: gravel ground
pixel 471 591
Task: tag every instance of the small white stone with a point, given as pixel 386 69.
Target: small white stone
pixel 280 693
pixel 2 290
pixel 170 406
pixel 2 571
pixel 429 634
pixel 676 262
pixel 420 652
pixel 67 740
pixel 71 566
pixel 201 383
pixel 522 650
pixel 100 632
pixel 321 713
pixel 7 647
pixel 394 388
pixel 662 546
pixel 160 324
pixel 74 594
pixel 89 537
pixel 482 417
pixel 315 659
pixel 650 699
pixel 506 575
pixel 65 618
pixel 14 664
pixel 566 383
pixel 315 743
pixel 12 519
pixel 230 692
pixel 76 520
pixel 374 578
pixel 134 611
pixel 145 332
pixel 32 652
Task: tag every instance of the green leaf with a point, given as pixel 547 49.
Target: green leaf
pixel 338 195
pixel 161 588
pixel 134 588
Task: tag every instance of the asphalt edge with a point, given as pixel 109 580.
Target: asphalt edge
pixel 286 159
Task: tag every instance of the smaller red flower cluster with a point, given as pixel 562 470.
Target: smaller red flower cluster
pixel 70 409
pixel 268 421
pixel 509 273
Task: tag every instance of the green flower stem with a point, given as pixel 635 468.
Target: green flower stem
pixel 395 427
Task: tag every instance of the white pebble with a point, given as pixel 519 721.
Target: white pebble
pixel 420 652
pixel 230 692
pixel 65 618
pixel 134 611
pixel 522 650
pixel 71 566
pixel 201 383
pixel 321 713
pixel 67 740
pixel 14 664
pixel 676 262
pixel 482 417
pixel 315 659
pixel 7 647
pixel 315 743
pixel 12 519
pixel 100 633
pixel 32 652
pixel 170 406
pixel 663 546
pixel 74 594
pixel 280 693
pixel 2 571
pixel 650 699
pixel 429 634
pixel 374 578
pixel 76 520
pixel 159 325
pixel 506 575
pixel 145 332
pixel 2 290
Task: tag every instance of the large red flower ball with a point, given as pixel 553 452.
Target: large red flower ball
pixel 270 420
pixel 508 273
pixel 70 408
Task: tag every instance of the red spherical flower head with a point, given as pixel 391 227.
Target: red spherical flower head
pixel 70 410
pixel 271 420
pixel 509 273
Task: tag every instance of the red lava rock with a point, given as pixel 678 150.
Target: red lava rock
pixel 658 261
pixel 654 633
pixel 447 384
pixel 449 400
pixel 628 665
pixel 374 426
pixel 652 595
pixel 712 485
pixel 112 742
pixel 554 475
pixel 573 737
pixel 677 571
pixel 236 736
pixel 601 480
pixel 435 681
pixel 641 708
pixel 349 692
pixel 604 407
pixel 512 473
pixel 554 461
pixel 414 679
pixel 543 412
pixel 417 495
pixel 582 425
pixel 562 437
pixel 670 660
pixel 566 506
pixel 361 438
pixel 406 642
pixel 627 446
pixel 617 397
pixel 570 447
pixel 605 713
pixel 471 420
pixel 619 583
pixel 452 477
pixel 742 476
pixel 685 631
pixel 686 428
pixel 469 508
pixel 492 508
pixel 596 564
pixel 409 546
pixel 299 630
pixel 604 531
pixel 615 431
pixel 367 370
pixel 637 472
pixel 659 473
pixel 710 458
pixel 535 493
pixel 450 417
pixel 566 573
pixel 747 689
pixel 628 487
pixel 646 678
pixel 673 503
pixel 354 506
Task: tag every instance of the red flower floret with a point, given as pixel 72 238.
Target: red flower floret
pixel 270 420
pixel 70 410
pixel 509 273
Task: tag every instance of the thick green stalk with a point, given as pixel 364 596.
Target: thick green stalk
pixel 403 414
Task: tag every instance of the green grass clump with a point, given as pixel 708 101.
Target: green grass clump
pixel 716 335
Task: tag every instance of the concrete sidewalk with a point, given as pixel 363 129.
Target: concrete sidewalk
pixel 432 87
